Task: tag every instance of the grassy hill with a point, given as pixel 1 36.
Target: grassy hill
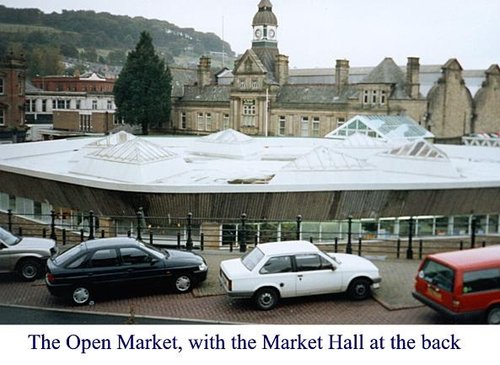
pixel 88 32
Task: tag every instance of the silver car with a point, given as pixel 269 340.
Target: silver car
pixel 25 255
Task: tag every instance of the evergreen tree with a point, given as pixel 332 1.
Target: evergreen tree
pixel 143 88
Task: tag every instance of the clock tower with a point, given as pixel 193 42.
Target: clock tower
pixel 265 26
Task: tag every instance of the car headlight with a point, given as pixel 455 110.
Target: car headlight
pixel 203 267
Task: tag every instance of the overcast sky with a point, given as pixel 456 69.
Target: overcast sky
pixel 314 33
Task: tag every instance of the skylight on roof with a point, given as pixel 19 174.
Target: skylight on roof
pixel 420 149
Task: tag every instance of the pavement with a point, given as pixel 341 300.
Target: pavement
pixel 392 303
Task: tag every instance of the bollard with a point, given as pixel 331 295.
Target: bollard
pixel 82 236
pixel 178 240
pixel 91 225
pixel 398 248
pixel 311 239
pixel 473 232
pixel 151 237
pixel 9 218
pixel 20 231
pixel 102 233
pixel 44 232
pixel 420 249
pixel 140 215
pixel 64 236
pixel 202 241
pixel 461 245
pixel 359 246
pixel 336 245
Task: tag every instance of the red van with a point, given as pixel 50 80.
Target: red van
pixel 462 283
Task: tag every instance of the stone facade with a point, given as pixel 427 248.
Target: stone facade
pixel 264 98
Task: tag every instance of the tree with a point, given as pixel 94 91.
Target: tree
pixel 142 90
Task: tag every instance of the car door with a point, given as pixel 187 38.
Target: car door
pixel 141 268
pixel 315 275
pixel 277 271
pixel 105 270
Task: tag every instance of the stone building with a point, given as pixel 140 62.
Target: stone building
pixel 262 96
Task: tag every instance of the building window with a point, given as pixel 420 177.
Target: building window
pixel 315 127
pixel 2 117
pixel 85 122
pixel 208 122
pixel 304 127
pixel 282 126
pixel 254 84
pixel 340 122
pixel 225 121
pixel 374 96
pixel 249 111
pixel 2 81
pixel 94 104
pixel 366 96
pixel 383 97
pixel 183 123
pixel 110 105
pixel 78 104
pixel 201 121
pixel 44 105
pixel 243 84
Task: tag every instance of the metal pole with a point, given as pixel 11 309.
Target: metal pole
pixel 243 238
pixel 409 251
pixel 297 233
pixel 189 242
pixel 140 214
pixel 53 225
pixel 348 248
pixel 473 232
pixel 91 225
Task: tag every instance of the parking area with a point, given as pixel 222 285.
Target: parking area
pixel 391 304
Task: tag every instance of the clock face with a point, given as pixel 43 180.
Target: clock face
pixel 272 33
pixel 258 33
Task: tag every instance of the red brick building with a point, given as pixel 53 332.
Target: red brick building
pixel 12 94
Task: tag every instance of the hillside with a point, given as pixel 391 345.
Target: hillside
pixel 86 32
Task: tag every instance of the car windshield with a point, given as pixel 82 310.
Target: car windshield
pixel 154 250
pixel 8 238
pixel 251 259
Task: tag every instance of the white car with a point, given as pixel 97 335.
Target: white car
pixel 25 255
pixel 296 268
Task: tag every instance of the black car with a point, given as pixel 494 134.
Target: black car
pixel 121 263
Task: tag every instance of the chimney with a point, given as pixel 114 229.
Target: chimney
pixel 412 77
pixel 281 69
pixel 341 75
pixel 204 77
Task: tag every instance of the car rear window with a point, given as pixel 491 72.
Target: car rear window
pixel 438 274
pixel 251 259
pixel 69 255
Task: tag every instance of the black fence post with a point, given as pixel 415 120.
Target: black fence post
pixel 64 236
pixel 243 234
pixel 420 249
pixel 299 222
pixel 348 248
pixel 9 219
pixel 189 242
pixel 178 240
pixel 202 241
pixel 53 225
pixel 336 245
pixel 91 225
pixel 409 251
pixel 140 216
pixel 398 248
pixel 473 232
pixel 359 246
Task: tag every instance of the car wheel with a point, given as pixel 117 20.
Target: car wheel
pixel 493 316
pixel 80 295
pixel 183 283
pixel 29 269
pixel 266 298
pixel 359 289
